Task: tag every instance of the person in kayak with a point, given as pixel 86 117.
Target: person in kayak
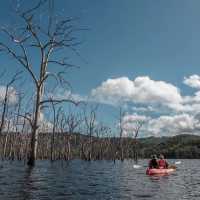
pixel 153 162
pixel 162 163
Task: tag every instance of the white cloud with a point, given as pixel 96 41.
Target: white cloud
pixel 130 122
pixel 12 94
pixel 191 104
pixel 173 125
pixel 113 91
pixel 143 109
pixel 176 114
pixel 161 126
pixel 133 118
pixel 141 90
pixel 44 124
pixel 67 94
pixel 192 81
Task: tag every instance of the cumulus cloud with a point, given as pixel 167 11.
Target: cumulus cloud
pixel 12 94
pixel 133 118
pixel 44 124
pixel 173 125
pixel 140 90
pixel 191 103
pixel 161 126
pixel 193 81
pixel 192 99
pixel 145 96
pixel 67 94
pixel 143 109
pixel 130 122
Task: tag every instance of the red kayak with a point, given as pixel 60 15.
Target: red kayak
pixel 159 171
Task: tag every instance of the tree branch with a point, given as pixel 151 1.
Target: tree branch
pixel 57 101
pixel 19 59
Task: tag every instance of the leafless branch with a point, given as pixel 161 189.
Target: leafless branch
pixel 58 101
pixel 27 117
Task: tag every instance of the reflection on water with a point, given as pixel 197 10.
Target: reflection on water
pixel 96 180
pixel 26 185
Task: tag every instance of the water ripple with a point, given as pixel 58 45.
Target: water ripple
pixel 100 180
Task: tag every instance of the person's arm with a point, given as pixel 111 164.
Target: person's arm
pixel 158 161
pixel 157 164
pixel 166 163
pixel 150 164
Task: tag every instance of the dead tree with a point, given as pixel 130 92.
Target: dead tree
pixel 132 125
pixel 90 123
pixel 53 131
pixel 73 121
pixel 102 131
pixel 46 40
pixel 8 92
pixel 121 130
pixel 137 126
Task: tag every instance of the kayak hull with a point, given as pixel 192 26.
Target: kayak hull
pixel 159 171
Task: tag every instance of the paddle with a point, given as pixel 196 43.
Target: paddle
pixel 137 166
pixel 174 166
pixel 177 162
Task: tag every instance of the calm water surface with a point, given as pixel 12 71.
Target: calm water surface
pixel 96 180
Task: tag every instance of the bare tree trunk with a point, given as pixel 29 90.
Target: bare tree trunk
pixel 5 145
pixel 135 153
pixel 53 133
pixel 35 132
pixel 137 128
pixel 68 148
pixel 4 110
pixel 121 115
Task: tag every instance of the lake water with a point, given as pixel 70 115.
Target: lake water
pixel 101 180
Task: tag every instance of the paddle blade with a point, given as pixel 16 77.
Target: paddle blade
pixel 177 162
pixel 137 166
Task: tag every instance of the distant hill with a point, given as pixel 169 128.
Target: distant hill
pixel 180 146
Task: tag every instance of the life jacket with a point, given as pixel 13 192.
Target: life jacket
pixel 162 163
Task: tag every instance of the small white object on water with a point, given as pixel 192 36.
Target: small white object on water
pixel 178 162
pixel 136 166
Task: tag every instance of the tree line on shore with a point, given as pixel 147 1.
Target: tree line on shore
pixel 65 146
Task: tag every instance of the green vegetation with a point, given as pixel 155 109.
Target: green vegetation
pixel 65 146
pixel 180 146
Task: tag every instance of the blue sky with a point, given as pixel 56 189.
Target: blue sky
pixel 158 39
pixel 131 38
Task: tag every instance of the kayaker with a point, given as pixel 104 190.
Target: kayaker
pixel 153 162
pixel 163 164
